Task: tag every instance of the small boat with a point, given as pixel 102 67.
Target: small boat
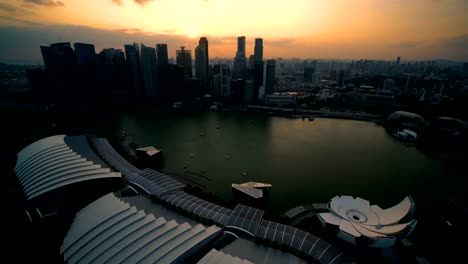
pixel 244 174
pixel 202 134
pixel 251 120
pixel 217 127
pixel 191 155
pixel 226 157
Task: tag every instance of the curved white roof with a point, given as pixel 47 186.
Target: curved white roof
pixel 215 256
pixel 109 230
pixel 355 218
pixel 52 163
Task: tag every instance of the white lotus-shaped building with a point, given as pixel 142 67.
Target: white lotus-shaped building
pixel 360 223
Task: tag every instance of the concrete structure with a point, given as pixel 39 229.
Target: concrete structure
pixel 269 76
pixel 60 61
pixel 201 69
pixel 258 50
pixel 149 72
pixel 360 223
pixel 280 99
pixel 204 41
pixel 184 59
pixel 132 54
pixel 162 55
pixel 240 61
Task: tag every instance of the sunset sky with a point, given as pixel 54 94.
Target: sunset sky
pixel 348 29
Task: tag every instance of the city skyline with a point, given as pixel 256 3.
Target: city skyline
pixel 419 30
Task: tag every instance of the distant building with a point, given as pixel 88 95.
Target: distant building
pixel 258 50
pixel 111 76
pixel 249 95
pixel 240 67
pixel 176 79
pixel 61 69
pixel 398 61
pixel 240 61
pixel 204 41
pixel 237 90
pixel 132 54
pixel 200 62
pixel 225 81
pixel 410 83
pixel 184 59
pixel 280 99
pixel 308 74
pixel 465 68
pixel 388 84
pixel 269 76
pixel 162 55
pixel 341 78
pixel 149 72
pixel 241 46
pixel 86 59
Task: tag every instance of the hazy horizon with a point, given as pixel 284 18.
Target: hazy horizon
pixel 341 29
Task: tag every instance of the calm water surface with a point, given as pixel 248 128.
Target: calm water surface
pixel 306 161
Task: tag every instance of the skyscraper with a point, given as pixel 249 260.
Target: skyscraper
pixel 341 78
pixel 240 61
pixel 200 62
pixel 398 61
pixel 410 83
pixel 134 70
pixel 86 60
pixel 162 56
pixel 258 50
pixel 241 45
pixel 60 63
pixel 204 41
pixel 149 72
pixel 225 81
pixel 308 74
pixel 184 59
pixel 269 76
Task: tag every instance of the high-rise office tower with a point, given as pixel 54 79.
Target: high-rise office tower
pixel 85 53
pixel 111 76
pixel 86 60
pixel 341 78
pixel 410 83
pixel 240 61
pixel 184 59
pixel 149 72
pixel 225 81
pixel 200 62
pixel 134 70
pixel 204 41
pixel 162 56
pixel 308 74
pixel 269 76
pixel 258 50
pixel 398 61
pixel 60 63
pixel 241 45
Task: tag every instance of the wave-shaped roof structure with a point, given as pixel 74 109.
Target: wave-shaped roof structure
pixel 111 231
pixel 59 161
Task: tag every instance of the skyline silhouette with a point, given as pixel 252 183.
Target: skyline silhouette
pixel 418 30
